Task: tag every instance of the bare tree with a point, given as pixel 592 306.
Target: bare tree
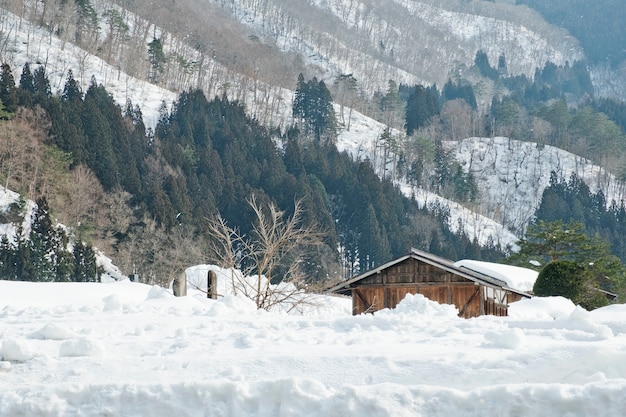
pixel 457 119
pixel 158 254
pixel 273 252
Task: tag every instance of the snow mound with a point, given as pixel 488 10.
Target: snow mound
pixel 542 308
pixel 296 397
pixel 230 305
pixel 417 304
pixel 510 339
pixel 157 292
pixel 16 350
pixel 84 346
pixel 112 303
pixel 53 331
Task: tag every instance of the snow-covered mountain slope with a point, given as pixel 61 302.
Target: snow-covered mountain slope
pixel 512 175
pixel 26 42
pixel 360 142
pixel 406 40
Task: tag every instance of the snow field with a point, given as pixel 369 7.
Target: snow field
pixel 130 349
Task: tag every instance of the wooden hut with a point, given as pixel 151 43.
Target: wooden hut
pixel 437 279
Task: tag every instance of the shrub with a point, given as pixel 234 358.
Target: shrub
pixel 570 280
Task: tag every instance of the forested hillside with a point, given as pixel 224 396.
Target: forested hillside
pixel 254 99
pixel 157 190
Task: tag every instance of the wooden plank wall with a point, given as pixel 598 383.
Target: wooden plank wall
pixel 388 287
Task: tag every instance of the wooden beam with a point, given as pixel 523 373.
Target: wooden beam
pixel 365 303
pixel 469 301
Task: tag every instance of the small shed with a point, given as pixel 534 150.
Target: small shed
pixel 438 279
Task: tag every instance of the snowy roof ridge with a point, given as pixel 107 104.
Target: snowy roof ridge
pixel 445 264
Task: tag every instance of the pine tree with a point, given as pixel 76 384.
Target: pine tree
pixel 482 62
pixel 157 59
pixel 8 90
pixel 71 91
pixel 313 106
pixel 42 243
pixel 85 267
pixel 26 89
pixel 7 259
pixel 422 105
pixel 41 85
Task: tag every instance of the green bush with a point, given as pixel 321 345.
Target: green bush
pixel 570 280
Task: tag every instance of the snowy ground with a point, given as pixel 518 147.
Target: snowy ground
pixel 128 349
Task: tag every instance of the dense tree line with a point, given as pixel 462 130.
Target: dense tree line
pixel 46 253
pixel 572 200
pixel 207 156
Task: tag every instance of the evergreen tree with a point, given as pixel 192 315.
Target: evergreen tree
pixel 7 259
pixel 41 85
pixel 550 241
pixel 42 243
pixel 24 268
pixel 157 59
pixel 422 105
pixel 71 91
pixel 84 266
pixel 569 280
pixel 462 90
pixel 482 62
pixel 27 81
pixel 8 90
pixel 87 18
pixel 442 174
pixel 502 68
pixel 100 153
pixel 313 106
pixel 26 89
pixel 391 104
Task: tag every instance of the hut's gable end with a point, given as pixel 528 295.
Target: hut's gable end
pixel 431 274
pixel 437 279
pixel 412 271
pixel 401 273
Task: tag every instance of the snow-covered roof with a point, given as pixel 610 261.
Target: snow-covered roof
pixel 484 276
pixel 521 279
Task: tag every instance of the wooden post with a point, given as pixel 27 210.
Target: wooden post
pixel 211 291
pixel 179 286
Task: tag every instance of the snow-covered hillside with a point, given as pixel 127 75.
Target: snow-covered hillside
pixel 26 42
pixel 128 349
pixel 406 41
pixel 11 204
pixel 511 175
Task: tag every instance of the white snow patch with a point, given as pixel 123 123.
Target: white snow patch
pixel 522 279
pixel 16 350
pixel 193 356
pixel 85 346
pixel 53 331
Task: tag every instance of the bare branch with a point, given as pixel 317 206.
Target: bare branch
pixel 275 245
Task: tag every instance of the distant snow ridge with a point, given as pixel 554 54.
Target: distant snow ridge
pixel 378 41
